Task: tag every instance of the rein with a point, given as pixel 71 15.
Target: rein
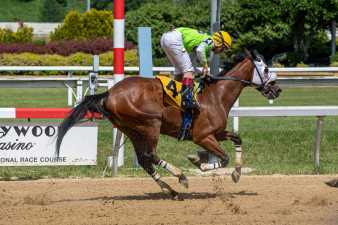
pixel 245 82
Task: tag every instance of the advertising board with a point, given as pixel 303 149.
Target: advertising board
pixel 33 144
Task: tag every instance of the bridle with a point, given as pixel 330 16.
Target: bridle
pixel 220 76
pixel 265 87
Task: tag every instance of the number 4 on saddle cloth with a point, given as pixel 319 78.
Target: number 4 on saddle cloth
pixel 173 90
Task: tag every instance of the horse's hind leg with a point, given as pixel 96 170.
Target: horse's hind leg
pixel 145 161
pixel 145 150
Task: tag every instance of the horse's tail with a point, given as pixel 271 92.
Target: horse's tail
pixel 91 103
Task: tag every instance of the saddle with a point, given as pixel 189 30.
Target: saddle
pixel 172 89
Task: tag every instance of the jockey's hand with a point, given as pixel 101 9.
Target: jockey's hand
pixel 205 70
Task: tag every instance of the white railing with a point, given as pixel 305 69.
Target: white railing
pixel 284 111
pixel 273 111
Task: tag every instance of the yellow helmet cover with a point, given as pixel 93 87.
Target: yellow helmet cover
pixel 222 39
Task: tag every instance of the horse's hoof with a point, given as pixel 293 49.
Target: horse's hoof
pixel 183 180
pixel 235 176
pixel 333 183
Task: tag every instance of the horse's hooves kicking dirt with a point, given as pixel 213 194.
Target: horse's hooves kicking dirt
pixel 184 181
pixel 235 176
pixel 333 183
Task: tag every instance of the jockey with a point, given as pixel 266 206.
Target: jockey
pixel 177 44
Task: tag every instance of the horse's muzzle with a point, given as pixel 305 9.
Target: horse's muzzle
pixel 270 90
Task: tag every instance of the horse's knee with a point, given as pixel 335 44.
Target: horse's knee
pixel 227 135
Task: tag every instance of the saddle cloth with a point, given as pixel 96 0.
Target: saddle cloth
pixel 173 89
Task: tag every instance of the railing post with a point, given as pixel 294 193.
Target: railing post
pixel 79 91
pixel 70 91
pixel 215 19
pixel 93 75
pixel 145 51
pixel 116 153
pixel 320 122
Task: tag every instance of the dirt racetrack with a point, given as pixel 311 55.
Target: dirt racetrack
pixel 277 199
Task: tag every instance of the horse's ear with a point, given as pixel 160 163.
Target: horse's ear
pixel 248 53
pixel 256 55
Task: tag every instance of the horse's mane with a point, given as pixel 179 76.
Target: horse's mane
pixel 229 65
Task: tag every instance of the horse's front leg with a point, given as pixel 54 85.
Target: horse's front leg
pixel 237 141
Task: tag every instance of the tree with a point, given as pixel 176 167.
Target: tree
pixel 163 16
pixel 101 4
pixel 64 3
pixel 306 20
pixel 259 24
pixel 87 26
pixel 271 26
pixel 134 4
pixel 285 25
pixel 52 11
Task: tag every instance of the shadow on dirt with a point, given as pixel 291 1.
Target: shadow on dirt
pixel 147 196
pixel 244 193
pixel 158 196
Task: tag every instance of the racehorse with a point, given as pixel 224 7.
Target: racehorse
pixel 140 109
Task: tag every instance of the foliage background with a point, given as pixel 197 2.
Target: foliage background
pixel 85 26
pixel 291 28
pixel 287 32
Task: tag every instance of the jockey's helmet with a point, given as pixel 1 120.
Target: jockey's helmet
pixel 222 39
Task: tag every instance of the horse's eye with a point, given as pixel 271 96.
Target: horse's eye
pixel 266 70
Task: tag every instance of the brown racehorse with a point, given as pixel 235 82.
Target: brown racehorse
pixel 139 108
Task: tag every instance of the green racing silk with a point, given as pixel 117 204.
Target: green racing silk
pixel 192 38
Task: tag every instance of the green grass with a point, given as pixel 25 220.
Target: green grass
pixel 13 10
pixel 271 145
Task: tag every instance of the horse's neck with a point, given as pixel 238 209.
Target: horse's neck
pixel 232 89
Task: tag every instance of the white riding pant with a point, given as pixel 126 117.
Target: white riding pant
pixel 172 44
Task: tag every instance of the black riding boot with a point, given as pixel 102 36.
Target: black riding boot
pixel 188 101
pixel 188 104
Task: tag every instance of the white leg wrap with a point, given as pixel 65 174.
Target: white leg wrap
pixel 210 166
pixel 238 160
pixel 155 176
pixel 170 168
